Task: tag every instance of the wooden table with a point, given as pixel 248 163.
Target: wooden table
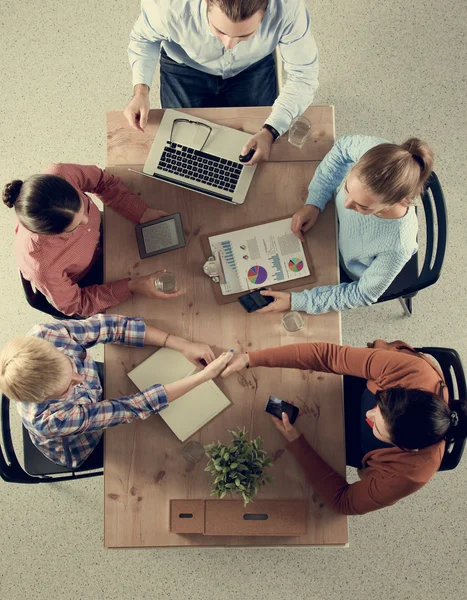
pixel 144 467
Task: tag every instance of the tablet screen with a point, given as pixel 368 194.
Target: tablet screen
pixel 160 236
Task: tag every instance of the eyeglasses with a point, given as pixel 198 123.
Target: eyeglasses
pixel 193 123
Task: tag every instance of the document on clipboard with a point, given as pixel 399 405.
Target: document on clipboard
pixel 259 256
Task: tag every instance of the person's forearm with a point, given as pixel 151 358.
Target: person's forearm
pixel 157 337
pixel 331 298
pixel 183 386
pixel 70 299
pixel 144 47
pixel 113 192
pixel 296 96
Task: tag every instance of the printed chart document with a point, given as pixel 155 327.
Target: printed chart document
pixel 191 411
pixel 259 256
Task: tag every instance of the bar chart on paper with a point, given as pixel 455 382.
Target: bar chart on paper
pixel 229 255
pixel 278 273
pixel 259 256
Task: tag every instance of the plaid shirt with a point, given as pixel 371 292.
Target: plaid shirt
pixel 67 430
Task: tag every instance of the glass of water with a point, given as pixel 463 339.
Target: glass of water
pixel 293 321
pixel 166 282
pixel 298 131
pixel 193 452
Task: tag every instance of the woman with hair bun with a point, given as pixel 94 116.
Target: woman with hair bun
pixel 58 237
pixel 376 184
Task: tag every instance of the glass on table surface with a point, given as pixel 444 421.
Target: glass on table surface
pixel 298 131
pixel 166 282
pixel 293 321
pixel 193 452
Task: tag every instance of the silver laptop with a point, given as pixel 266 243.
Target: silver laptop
pixel 201 156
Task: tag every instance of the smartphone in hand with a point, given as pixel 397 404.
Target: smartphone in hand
pixel 254 300
pixel 276 407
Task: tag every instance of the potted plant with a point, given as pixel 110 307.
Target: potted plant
pixel 239 468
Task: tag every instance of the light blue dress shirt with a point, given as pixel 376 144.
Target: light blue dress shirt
pixel 182 28
pixel 372 249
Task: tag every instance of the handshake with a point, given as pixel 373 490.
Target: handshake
pixel 203 357
pixel 224 365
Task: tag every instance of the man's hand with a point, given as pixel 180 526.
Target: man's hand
pixel 151 214
pixel 262 143
pixel 146 287
pixel 137 111
pixel 238 362
pixel 217 366
pixel 196 352
pixel 281 302
pixel 290 432
pixel 304 219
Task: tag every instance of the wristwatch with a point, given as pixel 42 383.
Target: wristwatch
pixel 275 134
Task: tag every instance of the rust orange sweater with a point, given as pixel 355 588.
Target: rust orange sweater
pixel 389 474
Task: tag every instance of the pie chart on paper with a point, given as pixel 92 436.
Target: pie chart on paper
pixel 257 274
pixel 295 264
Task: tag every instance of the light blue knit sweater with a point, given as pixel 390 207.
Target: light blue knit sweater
pixel 373 249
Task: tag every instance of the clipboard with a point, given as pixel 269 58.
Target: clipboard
pixel 286 285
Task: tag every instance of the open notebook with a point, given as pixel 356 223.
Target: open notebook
pixel 191 411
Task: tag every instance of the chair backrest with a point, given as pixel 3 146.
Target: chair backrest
pixel 436 235
pixel 10 468
pixel 454 376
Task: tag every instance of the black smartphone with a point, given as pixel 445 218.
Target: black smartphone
pixel 254 300
pixel 276 407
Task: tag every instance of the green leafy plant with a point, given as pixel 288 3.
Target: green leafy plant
pixel 239 468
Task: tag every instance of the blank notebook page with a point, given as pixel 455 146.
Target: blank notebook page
pixel 191 411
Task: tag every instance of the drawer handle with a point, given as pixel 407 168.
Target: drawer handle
pixel 255 517
pixel 186 515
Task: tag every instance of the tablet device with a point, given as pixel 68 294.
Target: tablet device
pixel 162 235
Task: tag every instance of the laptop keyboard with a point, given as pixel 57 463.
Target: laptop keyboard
pixel 200 166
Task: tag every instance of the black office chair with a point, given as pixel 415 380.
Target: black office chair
pixel 451 366
pixel 38 301
pixel 37 468
pixel 410 281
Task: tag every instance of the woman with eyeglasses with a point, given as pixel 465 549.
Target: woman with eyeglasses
pixel 59 238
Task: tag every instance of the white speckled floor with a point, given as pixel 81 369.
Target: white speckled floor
pixel 393 69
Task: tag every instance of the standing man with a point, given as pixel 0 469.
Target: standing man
pixel 220 53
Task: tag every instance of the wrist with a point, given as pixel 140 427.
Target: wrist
pixel 141 89
pixel 203 376
pixel 132 286
pixel 176 343
pixel 274 134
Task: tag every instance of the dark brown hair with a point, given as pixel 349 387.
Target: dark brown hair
pixel 240 10
pixel 416 419
pixel 395 173
pixel 44 204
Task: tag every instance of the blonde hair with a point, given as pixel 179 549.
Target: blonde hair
pixel 30 369
pixel 396 173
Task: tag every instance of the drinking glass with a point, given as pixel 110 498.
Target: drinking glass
pixel 292 321
pixel 166 282
pixel 298 131
pixel 193 452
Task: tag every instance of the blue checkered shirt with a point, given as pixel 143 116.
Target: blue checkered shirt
pixel 67 430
